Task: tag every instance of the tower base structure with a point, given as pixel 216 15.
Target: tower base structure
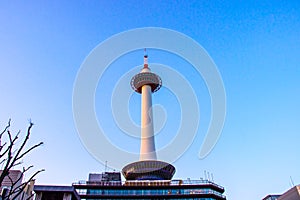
pixel 148 170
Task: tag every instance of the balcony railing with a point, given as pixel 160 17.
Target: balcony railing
pixel 149 183
pixel 148 192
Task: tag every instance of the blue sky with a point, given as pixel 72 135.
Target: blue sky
pixel 255 44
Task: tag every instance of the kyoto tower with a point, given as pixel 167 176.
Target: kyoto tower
pixel 148 167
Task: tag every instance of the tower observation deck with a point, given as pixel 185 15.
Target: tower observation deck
pixel 148 167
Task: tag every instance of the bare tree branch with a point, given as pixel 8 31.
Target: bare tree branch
pixel 30 149
pixel 10 156
pixel 6 128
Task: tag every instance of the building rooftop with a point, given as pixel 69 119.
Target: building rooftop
pixel 56 192
pixel 292 194
pixel 137 189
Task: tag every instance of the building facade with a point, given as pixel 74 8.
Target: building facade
pixel 54 192
pixel 13 182
pixel 291 194
pixel 149 189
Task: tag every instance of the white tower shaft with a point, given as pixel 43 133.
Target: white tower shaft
pixel 148 168
pixel 147 151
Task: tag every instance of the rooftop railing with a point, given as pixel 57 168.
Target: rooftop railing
pixel 148 192
pixel 150 183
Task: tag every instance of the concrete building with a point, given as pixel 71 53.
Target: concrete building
pixel 291 194
pixel 150 189
pixel 55 193
pixel 14 176
pixel 12 182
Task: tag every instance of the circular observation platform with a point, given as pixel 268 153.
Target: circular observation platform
pixel 146 78
pixel 148 170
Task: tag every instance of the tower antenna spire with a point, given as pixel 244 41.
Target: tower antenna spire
pixel 145 58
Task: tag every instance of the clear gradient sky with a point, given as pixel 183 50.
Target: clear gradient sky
pixel 255 44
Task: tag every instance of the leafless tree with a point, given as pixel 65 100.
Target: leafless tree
pixel 13 149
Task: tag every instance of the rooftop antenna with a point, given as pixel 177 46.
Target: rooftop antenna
pixel 205 176
pixel 292 182
pixel 105 166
